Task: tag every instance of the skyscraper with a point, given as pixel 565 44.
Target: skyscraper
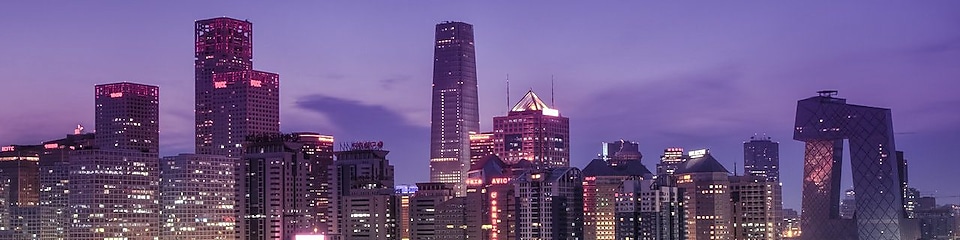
pixel 113 190
pixel 757 208
pixel 277 187
pixel 481 146
pixel 534 132
pixel 19 170
pixel 455 109
pixel 54 180
pixel 425 206
pixel 601 183
pixel 197 193
pixel 761 157
pixel 366 201
pixel 233 101
pixel 823 123
pixel 128 116
pixel 706 190
pixel 649 209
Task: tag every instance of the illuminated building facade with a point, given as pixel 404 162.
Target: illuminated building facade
pixel 602 182
pixel 757 208
pixel 197 195
pixel 823 123
pixel 481 145
pixel 791 225
pixel 620 152
pixel 650 210
pixel 534 132
pixel 114 188
pixel 128 117
pixel 366 199
pixel 761 157
pixel 54 178
pixel 114 194
pixel 706 191
pixel 404 193
pixel 451 219
pixel 320 179
pixel 277 188
pixel 455 108
pixel 671 160
pixel 549 204
pixel 232 100
pixel 19 171
pixel 425 209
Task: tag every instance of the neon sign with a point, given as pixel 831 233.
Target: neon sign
pixel 503 180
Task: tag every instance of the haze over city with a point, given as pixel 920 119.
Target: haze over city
pixel 692 75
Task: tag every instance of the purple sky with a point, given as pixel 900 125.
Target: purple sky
pixel 704 75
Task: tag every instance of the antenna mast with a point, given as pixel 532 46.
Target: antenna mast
pixel 552 102
pixel 508 92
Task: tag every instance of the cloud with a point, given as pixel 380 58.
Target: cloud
pixel 355 121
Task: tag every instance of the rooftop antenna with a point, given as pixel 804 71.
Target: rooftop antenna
pixel 735 168
pixel 552 103
pixel 508 92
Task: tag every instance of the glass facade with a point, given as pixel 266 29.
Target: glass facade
pixel 455 109
pixel 823 123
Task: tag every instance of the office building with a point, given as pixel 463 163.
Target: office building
pixel 128 117
pixel 671 160
pixel 19 171
pixel 455 108
pixel 534 132
pixel 823 123
pixel 706 190
pixel 404 194
pixel 848 204
pixel 648 209
pixel 320 179
pixel 481 146
pixel 761 157
pixel 197 195
pixel 602 182
pixel 549 204
pixel 425 206
pixel 54 167
pixel 757 208
pixel 619 152
pixel 113 194
pixel 233 101
pixel 277 188
pixel 114 188
pixel 791 225
pixel 366 201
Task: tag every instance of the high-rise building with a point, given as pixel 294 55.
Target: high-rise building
pixel 481 146
pixel 455 108
pixel 277 187
pixel 791 225
pixel 197 193
pixel 757 208
pixel 549 203
pixel 761 157
pixel 706 191
pixel 619 152
pixel 128 117
pixel 233 101
pixel 113 194
pixel 534 132
pixel 19 170
pixel 671 160
pixel 320 179
pixel 601 183
pixel 425 206
pixel 648 209
pixel 54 178
pixel 823 123
pixel 404 194
pixel 366 201
pixel 114 188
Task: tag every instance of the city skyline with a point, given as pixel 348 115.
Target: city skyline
pixel 319 101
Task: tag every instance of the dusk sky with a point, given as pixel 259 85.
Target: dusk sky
pixel 664 74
